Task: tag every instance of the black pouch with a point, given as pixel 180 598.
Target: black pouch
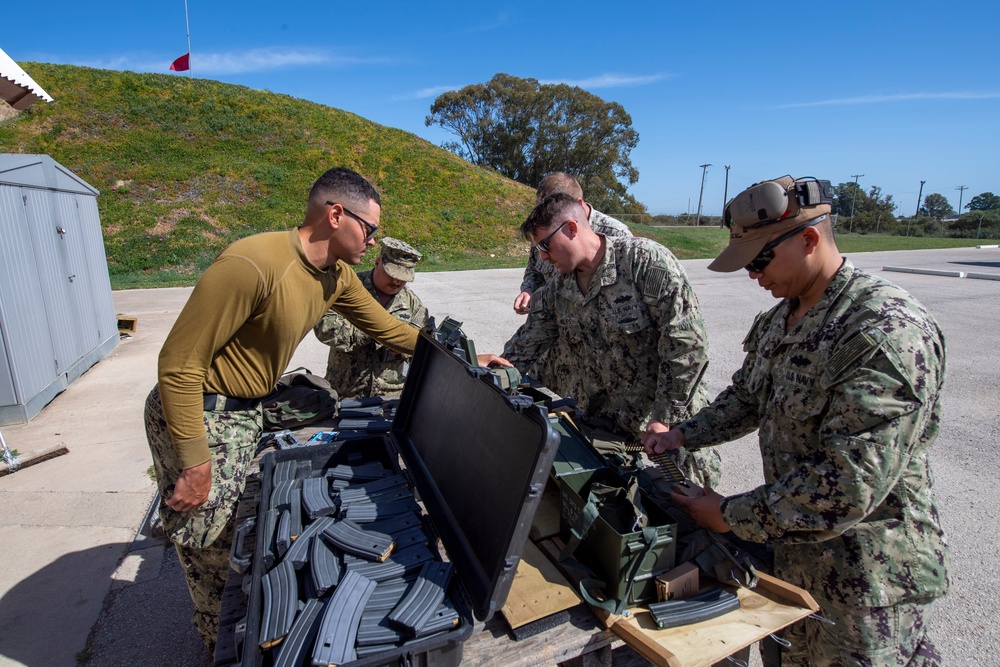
pixel 299 399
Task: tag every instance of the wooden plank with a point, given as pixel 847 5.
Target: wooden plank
pixel 770 606
pixel 546 521
pixel 538 590
pixel 491 647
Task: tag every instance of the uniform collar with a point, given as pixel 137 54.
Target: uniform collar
pixel 811 324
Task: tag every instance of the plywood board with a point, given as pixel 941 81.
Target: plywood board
pixel 767 608
pixel 537 591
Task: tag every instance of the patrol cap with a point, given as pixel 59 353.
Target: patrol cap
pixel 399 258
pixel 766 208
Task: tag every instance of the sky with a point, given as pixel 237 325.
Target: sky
pixel 893 92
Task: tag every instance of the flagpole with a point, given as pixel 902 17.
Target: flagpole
pixel 187 26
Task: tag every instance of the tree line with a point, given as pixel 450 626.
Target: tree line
pixel 872 212
pixel 524 129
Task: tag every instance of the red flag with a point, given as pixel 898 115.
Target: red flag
pixel 182 64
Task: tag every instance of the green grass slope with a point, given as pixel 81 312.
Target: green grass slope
pixel 186 166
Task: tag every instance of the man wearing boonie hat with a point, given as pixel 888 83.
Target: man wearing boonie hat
pixel 843 380
pixel 358 366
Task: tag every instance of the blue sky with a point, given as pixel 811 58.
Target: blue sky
pixel 898 91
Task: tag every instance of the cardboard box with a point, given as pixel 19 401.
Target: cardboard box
pixel 677 584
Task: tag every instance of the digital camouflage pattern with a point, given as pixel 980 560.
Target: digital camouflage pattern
pixel 894 636
pixel 358 366
pixel 847 404
pixel 538 272
pixel 203 536
pixel 633 349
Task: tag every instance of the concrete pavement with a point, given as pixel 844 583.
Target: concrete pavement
pixel 75 590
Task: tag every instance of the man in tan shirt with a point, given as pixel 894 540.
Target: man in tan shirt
pixel 230 344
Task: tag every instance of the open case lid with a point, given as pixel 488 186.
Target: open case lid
pixel 479 459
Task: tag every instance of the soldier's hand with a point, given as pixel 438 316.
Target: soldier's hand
pixel 705 509
pixel 657 440
pixel 492 360
pixel 192 488
pixel 522 303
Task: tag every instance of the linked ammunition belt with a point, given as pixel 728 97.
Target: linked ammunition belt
pixel 671 472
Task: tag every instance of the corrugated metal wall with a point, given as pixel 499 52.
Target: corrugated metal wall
pixel 57 314
pixel 29 356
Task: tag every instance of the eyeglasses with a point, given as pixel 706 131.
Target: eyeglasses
pixel 370 229
pixel 766 254
pixel 543 245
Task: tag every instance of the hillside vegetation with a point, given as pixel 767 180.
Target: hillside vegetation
pixel 187 166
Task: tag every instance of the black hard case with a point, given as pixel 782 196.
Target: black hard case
pixel 476 457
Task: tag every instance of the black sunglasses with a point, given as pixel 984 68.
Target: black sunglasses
pixel 371 229
pixel 764 257
pixel 543 245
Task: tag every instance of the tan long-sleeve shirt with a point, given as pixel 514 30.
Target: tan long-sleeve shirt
pixel 245 318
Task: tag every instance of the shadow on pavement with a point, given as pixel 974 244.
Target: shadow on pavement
pixel 989 265
pixel 146 622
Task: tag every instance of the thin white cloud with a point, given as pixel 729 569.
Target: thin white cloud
pixel 610 81
pixel 501 20
pixel 425 93
pixel 603 81
pixel 904 97
pixel 221 64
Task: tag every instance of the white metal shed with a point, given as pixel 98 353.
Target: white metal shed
pixel 57 315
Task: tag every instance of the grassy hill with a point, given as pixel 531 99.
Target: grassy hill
pixel 187 166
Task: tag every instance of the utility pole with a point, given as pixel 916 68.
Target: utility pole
pixel 961 191
pixel 919 197
pixel 704 168
pixel 725 199
pixel 854 195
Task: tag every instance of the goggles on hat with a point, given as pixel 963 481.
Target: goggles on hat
pixel 772 201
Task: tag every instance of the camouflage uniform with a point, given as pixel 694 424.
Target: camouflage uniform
pixel 633 349
pixel 538 272
pixel 847 404
pixel 358 366
pixel 202 537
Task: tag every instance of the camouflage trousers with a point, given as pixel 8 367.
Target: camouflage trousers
pixel 203 536
pixel 891 636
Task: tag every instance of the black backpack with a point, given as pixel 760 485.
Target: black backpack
pixel 300 398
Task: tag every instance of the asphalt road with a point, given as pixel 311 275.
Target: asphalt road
pixel 74 587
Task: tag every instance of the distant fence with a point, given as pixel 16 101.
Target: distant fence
pixel 682 220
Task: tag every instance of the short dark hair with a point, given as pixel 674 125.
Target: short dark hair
pixel 341 183
pixel 543 215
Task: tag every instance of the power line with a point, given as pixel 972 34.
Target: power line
pixel 725 198
pixel 854 195
pixel 961 191
pixel 919 197
pixel 704 168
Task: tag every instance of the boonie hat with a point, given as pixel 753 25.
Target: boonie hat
pixel 399 258
pixel 767 208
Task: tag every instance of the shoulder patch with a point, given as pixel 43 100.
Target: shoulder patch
pixel 655 284
pixel 861 344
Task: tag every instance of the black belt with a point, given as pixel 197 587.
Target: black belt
pixel 231 404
